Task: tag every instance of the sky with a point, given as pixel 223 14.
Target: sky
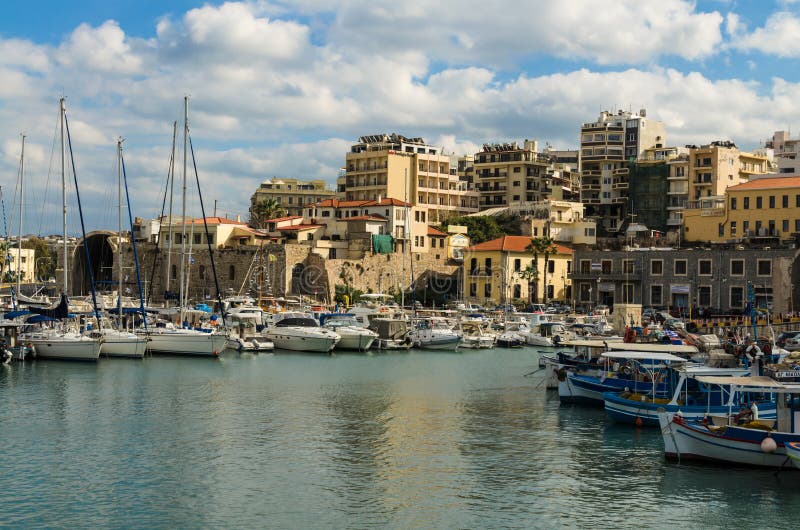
pixel 284 88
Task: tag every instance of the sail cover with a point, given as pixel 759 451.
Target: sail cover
pixel 59 311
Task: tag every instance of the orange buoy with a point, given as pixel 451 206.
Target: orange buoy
pixel 638 421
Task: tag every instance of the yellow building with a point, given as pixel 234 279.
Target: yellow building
pixel 763 209
pixel 494 272
pixel 291 194
pixel 222 233
pixel 24 260
pixel 408 169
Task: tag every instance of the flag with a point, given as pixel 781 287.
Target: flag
pixel 273 257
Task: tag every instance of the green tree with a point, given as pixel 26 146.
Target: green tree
pixel 540 246
pixel 265 210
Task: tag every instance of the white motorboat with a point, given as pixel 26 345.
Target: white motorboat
pixel 548 334
pixel 434 333
pixel 513 335
pixel 300 332
pixel 170 340
pixel 116 343
pixel 353 335
pixel 476 337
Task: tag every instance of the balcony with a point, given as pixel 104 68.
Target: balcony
pixel 484 272
pixel 674 222
pixel 591 173
pixel 701 183
pixel 591 187
pixel 622 171
pixel 622 185
pixel 619 200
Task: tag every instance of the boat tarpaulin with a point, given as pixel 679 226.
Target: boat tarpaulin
pixel 14 314
pixel 382 244
pixel 57 312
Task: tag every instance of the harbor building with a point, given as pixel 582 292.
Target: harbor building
pixel 502 271
pixel 785 151
pixel 609 145
pixel 291 195
pixel 715 167
pixel 709 280
pixel 763 211
pixel 23 260
pixel 506 174
pixel 406 169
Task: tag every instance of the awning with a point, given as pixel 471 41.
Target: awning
pixel 644 356
pixel 759 381
pixel 663 348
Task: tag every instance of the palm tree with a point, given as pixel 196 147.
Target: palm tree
pixel 540 246
pixel 264 211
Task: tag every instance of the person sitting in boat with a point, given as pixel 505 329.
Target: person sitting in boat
pixel 745 415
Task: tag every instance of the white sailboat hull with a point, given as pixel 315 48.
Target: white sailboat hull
pixel 186 342
pixel 65 347
pixel 300 340
pixel 118 344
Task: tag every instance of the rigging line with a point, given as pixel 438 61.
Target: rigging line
pixel 157 250
pixel 133 243
pixel 49 175
pixel 83 227
pixel 208 239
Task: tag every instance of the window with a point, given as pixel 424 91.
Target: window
pixel 764 267
pixel 733 203
pixel 473 289
pixel 551 267
pixel 197 239
pixel 656 296
pixel 627 266
pixel 737 267
pixel 627 293
pixel 680 267
pixel 733 228
pixel 704 296
pixel 759 203
pixel 704 267
pixel 550 291
pixel 586 266
pixel 174 272
pixel 487 289
pixel 797 201
pixel 516 170
pixel 785 201
pixel 201 272
pixel 516 182
pixel 517 291
pixel 785 225
pixel 656 267
pixel 772 201
pixel 737 297
pixel 487 264
pixel 797 225
pixel 747 202
pixel 745 226
pixel 231 272
pixel 606 266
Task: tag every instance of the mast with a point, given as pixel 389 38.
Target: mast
pixel 168 276
pixel 406 239
pixel 19 228
pixel 62 112
pixel 183 206
pixel 119 233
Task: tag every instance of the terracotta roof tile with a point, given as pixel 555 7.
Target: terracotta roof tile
pixel 512 244
pixel 768 183
pixel 436 232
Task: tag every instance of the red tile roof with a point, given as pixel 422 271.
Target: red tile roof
pixel 298 227
pixel 768 183
pixel 279 219
pixel 214 221
pixel 436 232
pixel 512 244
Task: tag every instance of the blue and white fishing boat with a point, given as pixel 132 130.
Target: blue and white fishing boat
pixel 690 394
pixel 764 442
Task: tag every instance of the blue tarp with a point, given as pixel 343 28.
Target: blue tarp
pixel 14 314
pixel 35 319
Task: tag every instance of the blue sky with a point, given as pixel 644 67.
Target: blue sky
pixel 283 88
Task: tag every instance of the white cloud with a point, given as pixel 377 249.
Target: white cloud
pixel 103 49
pixel 777 37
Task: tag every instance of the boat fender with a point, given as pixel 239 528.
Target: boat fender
pixel 638 421
pixel 562 375
pixel 768 445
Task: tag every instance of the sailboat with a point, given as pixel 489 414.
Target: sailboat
pixel 117 342
pixel 169 339
pixel 62 342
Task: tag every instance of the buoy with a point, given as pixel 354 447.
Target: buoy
pixel 768 445
pixel 638 421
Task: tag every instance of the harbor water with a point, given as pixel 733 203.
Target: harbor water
pixel 411 440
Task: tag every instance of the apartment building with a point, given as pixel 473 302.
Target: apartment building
pixel 407 169
pixel 562 221
pixel 507 175
pixel 291 194
pixel 608 146
pixel 719 165
pixel 785 150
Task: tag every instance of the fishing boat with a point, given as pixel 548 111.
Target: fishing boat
pixel 352 335
pixel 393 334
pixel 300 332
pixel 793 452
pixel 736 438
pixel 434 333
pixel 690 393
